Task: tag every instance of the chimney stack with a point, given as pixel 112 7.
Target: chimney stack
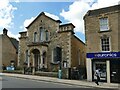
pixel 5 31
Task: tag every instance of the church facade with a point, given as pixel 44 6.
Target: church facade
pixel 47 44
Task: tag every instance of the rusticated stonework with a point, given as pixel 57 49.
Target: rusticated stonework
pixel 37 45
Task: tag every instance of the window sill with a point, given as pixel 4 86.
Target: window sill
pixel 45 41
pixel 104 31
pixel 55 63
pixel 105 51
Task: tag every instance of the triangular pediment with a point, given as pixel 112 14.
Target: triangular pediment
pixel 44 15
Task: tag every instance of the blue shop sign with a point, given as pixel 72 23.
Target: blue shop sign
pixel 104 55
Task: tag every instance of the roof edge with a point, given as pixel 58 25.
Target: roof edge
pixel 42 13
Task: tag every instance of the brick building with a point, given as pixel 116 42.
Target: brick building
pixel 50 45
pixel 8 49
pixel 102 31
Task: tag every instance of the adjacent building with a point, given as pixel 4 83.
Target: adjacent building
pixel 47 44
pixel 102 32
pixel 8 49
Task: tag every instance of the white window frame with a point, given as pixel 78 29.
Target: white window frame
pixel 102 25
pixel 109 44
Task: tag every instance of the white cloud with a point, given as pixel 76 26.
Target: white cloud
pixel 6 14
pixel 75 14
pixel 10 34
pixel 52 16
pixel 79 8
pixel 28 21
pixel 17 1
pixel 104 3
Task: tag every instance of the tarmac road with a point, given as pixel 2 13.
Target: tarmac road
pixel 12 82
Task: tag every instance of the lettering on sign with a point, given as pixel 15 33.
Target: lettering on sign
pixel 106 55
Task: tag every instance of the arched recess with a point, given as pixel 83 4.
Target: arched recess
pixel 36 59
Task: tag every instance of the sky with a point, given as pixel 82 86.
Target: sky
pixel 15 15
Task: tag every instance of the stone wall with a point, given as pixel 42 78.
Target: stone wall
pixel 22 51
pixel 59 36
pixel 9 53
pixel 78 53
pixel 93 33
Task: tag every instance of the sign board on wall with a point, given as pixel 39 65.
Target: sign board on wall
pixel 104 55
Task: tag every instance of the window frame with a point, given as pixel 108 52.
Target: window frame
pixel 47 35
pixel 35 37
pixel 44 34
pixel 26 56
pixel 54 55
pixel 41 34
pixel 102 45
pixel 104 25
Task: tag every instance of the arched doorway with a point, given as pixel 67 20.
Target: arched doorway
pixel 36 59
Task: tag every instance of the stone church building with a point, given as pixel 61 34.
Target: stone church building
pixel 8 50
pixel 47 44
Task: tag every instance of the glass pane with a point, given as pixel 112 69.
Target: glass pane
pixel 104 24
pixel 105 44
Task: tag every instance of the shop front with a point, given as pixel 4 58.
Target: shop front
pixel 115 71
pixel 101 64
pixel 108 63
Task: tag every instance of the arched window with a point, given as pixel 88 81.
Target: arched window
pixel 42 34
pixel 35 37
pixel 26 61
pixel 47 35
pixel 57 54
pixel 44 57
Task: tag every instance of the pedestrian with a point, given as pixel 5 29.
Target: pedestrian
pixel 97 74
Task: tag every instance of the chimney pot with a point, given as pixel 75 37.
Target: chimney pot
pixel 5 31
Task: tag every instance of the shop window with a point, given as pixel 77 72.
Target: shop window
pixel 105 44
pixel 102 67
pixel 104 26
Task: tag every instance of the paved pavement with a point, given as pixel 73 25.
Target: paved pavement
pixel 65 81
